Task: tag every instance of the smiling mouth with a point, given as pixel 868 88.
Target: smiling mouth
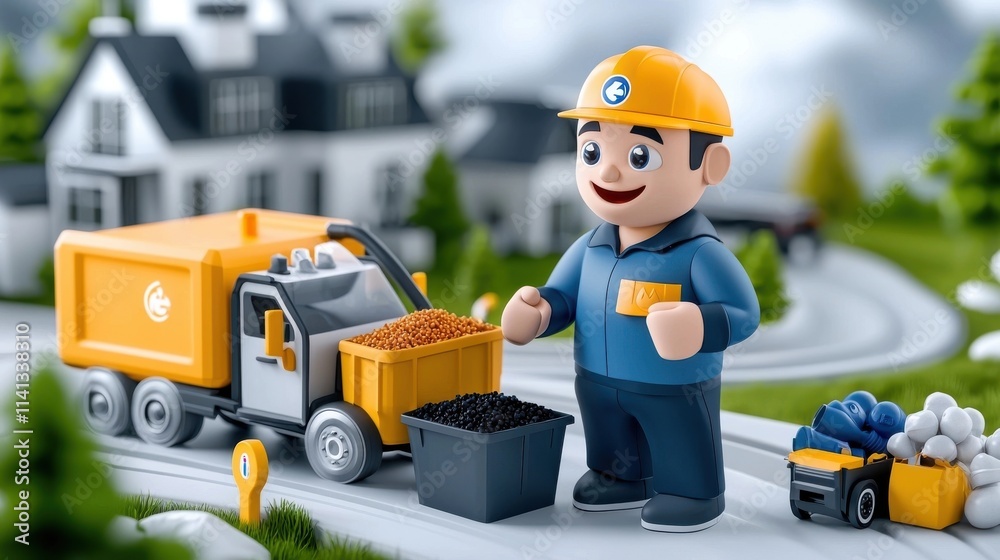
pixel 617 197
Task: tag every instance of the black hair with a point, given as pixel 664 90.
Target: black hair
pixel 700 141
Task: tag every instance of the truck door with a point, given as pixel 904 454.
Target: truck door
pixel 266 387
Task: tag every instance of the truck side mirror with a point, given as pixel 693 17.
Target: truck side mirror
pixel 274 339
pixel 274 332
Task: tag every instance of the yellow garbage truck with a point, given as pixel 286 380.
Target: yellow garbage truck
pixel 245 315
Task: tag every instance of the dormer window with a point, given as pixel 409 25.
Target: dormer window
pixel 239 105
pixel 107 125
pixel 371 104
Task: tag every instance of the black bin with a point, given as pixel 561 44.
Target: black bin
pixel 487 477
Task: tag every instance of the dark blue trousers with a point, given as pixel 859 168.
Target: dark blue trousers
pixel 673 438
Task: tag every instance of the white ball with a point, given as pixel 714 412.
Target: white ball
pixel 969 448
pixel 901 446
pixel 941 447
pixel 993 445
pixel 938 403
pixel 978 421
pixel 921 426
pixel 956 424
pixel 982 508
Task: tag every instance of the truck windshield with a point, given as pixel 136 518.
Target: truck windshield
pixel 346 300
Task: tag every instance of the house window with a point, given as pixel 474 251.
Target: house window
pixel 391 196
pixel 85 207
pixel 372 104
pixel 238 105
pixel 199 197
pixel 260 190
pixel 316 190
pixel 107 120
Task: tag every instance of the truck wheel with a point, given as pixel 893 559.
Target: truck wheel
pixel 800 513
pixel 158 414
pixel 342 443
pixel 106 396
pixel 861 508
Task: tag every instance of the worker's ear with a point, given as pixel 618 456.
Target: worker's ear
pixel 715 164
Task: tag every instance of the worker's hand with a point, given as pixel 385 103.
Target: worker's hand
pixel 677 328
pixel 526 316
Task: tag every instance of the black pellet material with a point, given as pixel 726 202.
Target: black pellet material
pixel 484 412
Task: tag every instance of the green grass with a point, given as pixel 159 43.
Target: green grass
pixel 286 530
pixel 941 260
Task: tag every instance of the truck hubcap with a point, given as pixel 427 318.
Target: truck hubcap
pixel 156 415
pixel 336 448
pixel 99 406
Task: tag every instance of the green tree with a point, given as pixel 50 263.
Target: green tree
pixel 20 122
pixel 69 502
pixel 480 269
pixel 901 203
pixel 972 165
pixel 439 209
pixel 762 260
pixel 418 36
pixel 825 174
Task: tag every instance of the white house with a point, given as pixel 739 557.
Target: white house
pixel 518 177
pixel 213 106
pixel 25 235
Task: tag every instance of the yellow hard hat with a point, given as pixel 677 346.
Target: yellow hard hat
pixel 651 86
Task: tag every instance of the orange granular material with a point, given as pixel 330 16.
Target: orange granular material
pixel 420 328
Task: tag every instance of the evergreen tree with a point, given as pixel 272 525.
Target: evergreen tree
pixel 418 36
pixel 762 260
pixel 826 175
pixel 20 123
pixel 439 209
pixel 480 268
pixel 973 163
pixel 70 502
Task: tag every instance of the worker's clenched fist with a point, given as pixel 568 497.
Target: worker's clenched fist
pixel 526 316
pixel 677 329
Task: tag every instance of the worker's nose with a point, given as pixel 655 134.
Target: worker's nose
pixel 610 173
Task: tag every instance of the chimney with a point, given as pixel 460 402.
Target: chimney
pixel 356 42
pixel 215 34
pixel 109 23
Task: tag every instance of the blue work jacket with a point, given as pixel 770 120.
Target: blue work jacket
pixel 606 292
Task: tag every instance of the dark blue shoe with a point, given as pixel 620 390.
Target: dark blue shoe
pixel 597 492
pixel 676 514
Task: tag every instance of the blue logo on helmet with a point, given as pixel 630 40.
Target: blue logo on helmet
pixel 615 90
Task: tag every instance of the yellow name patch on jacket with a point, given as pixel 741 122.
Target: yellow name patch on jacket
pixel 635 297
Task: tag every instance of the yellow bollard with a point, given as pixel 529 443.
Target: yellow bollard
pixel 250 473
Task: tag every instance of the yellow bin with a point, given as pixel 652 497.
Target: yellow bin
pixel 931 494
pixel 387 383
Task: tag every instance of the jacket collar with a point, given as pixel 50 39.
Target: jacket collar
pixel 689 226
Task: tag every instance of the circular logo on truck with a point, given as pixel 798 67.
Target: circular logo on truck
pixel 156 302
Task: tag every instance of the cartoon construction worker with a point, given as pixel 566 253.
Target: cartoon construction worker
pixel 655 295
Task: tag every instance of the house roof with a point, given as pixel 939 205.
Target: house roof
pixel 522 132
pixel 306 81
pixel 23 184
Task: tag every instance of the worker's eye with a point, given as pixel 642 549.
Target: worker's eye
pixel 643 158
pixel 590 153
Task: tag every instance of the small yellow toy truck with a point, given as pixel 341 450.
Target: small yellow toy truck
pixel 839 485
pixel 184 320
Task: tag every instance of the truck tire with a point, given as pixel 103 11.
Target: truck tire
pixel 158 415
pixel 342 443
pixel 106 399
pixel 863 503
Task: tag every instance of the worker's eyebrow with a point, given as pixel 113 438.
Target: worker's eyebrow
pixel 650 133
pixel 591 126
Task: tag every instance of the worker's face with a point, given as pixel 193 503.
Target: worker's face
pixel 637 176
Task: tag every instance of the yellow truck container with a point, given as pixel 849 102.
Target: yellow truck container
pixel 154 299
pixel 387 383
